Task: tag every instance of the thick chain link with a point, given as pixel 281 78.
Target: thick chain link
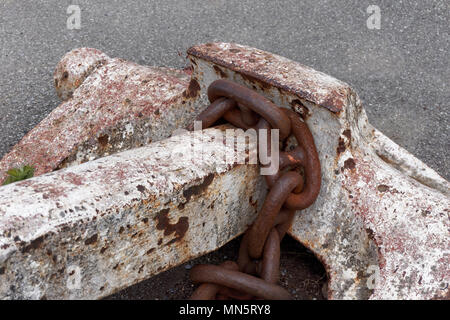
pixel 256 273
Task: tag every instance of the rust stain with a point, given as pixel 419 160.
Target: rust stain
pixel 341 146
pixel 220 72
pixel 253 203
pixel 193 89
pixel 300 108
pixel 48 190
pixel 179 228
pixel 35 244
pixel 333 103
pixel 91 240
pixel 348 134
pixel 383 188
pixel 349 164
pixel 141 188
pixel 196 190
pixel 385 159
pixel 103 140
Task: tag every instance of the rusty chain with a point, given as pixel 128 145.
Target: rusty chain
pixel 255 275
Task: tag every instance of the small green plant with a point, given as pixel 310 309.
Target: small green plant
pixel 18 174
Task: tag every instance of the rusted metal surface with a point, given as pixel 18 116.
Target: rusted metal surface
pixel 120 219
pixel 112 105
pixel 259 256
pixel 381 222
pixel 239 281
pixel 380 210
pixel 257 66
pixel 249 99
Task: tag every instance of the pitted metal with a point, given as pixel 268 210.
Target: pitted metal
pixel 379 225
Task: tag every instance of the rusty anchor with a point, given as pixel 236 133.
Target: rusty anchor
pixel 109 209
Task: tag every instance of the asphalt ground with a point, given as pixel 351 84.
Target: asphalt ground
pixel 400 71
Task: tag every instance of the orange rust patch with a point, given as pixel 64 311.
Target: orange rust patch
pixel 35 244
pixel 103 140
pixel 349 164
pixel 348 134
pixel 192 90
pixel 341 146
pixel 91 240
pixel 196 190
pixel 179 228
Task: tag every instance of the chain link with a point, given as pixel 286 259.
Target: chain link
pixel 256 273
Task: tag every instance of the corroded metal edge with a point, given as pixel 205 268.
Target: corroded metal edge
pixel 293 77
pixel 92 229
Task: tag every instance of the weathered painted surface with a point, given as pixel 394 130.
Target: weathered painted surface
pixel 118 220
pixel 380 225
pixel 381 222
pixel 112 105
pixel 258 66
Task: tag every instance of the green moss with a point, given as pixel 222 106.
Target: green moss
pixel 18 174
